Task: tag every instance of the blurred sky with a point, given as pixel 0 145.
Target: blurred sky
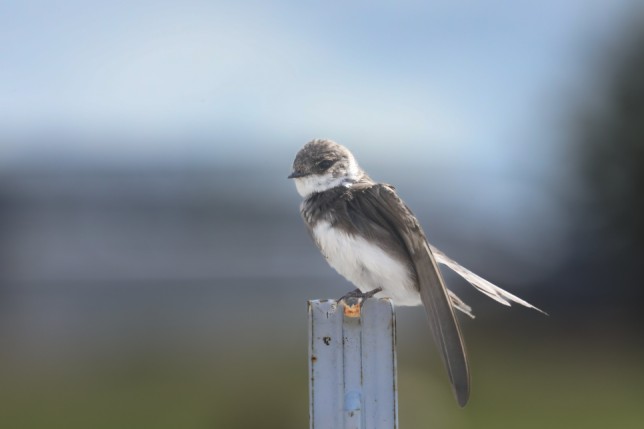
pixel 457 103
pixel 462 82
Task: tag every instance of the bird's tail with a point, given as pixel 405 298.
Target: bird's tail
pixel 459 304
pixel 482 285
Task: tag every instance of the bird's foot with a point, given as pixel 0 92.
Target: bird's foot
pixel 353 300
pixel 358 294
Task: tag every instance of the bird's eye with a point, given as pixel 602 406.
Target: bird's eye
pixel 323 165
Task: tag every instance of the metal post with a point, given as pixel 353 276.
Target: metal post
pixel 352 365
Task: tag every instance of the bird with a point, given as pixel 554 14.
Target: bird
pixel 369 236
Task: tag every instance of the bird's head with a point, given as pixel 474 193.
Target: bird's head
pixel 323 164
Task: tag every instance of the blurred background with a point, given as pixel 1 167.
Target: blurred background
pixel 154 270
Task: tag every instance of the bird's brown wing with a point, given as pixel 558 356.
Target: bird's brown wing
pixel 382 206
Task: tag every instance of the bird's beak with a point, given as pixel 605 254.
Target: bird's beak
pixel 296 174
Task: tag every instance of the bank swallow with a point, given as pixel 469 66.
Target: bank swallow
pixel 369 236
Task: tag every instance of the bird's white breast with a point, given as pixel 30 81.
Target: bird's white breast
pixel 365 264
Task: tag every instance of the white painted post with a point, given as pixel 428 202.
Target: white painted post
pixel 352 365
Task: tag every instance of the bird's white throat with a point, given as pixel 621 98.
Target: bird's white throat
pixel 318 183
pixel 312 183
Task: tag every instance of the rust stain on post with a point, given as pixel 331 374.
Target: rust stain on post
pixel 352 307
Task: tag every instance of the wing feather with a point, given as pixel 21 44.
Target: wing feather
pixel 434 295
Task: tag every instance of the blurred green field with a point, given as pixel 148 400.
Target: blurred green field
pixel 518 382
pixel 525 384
